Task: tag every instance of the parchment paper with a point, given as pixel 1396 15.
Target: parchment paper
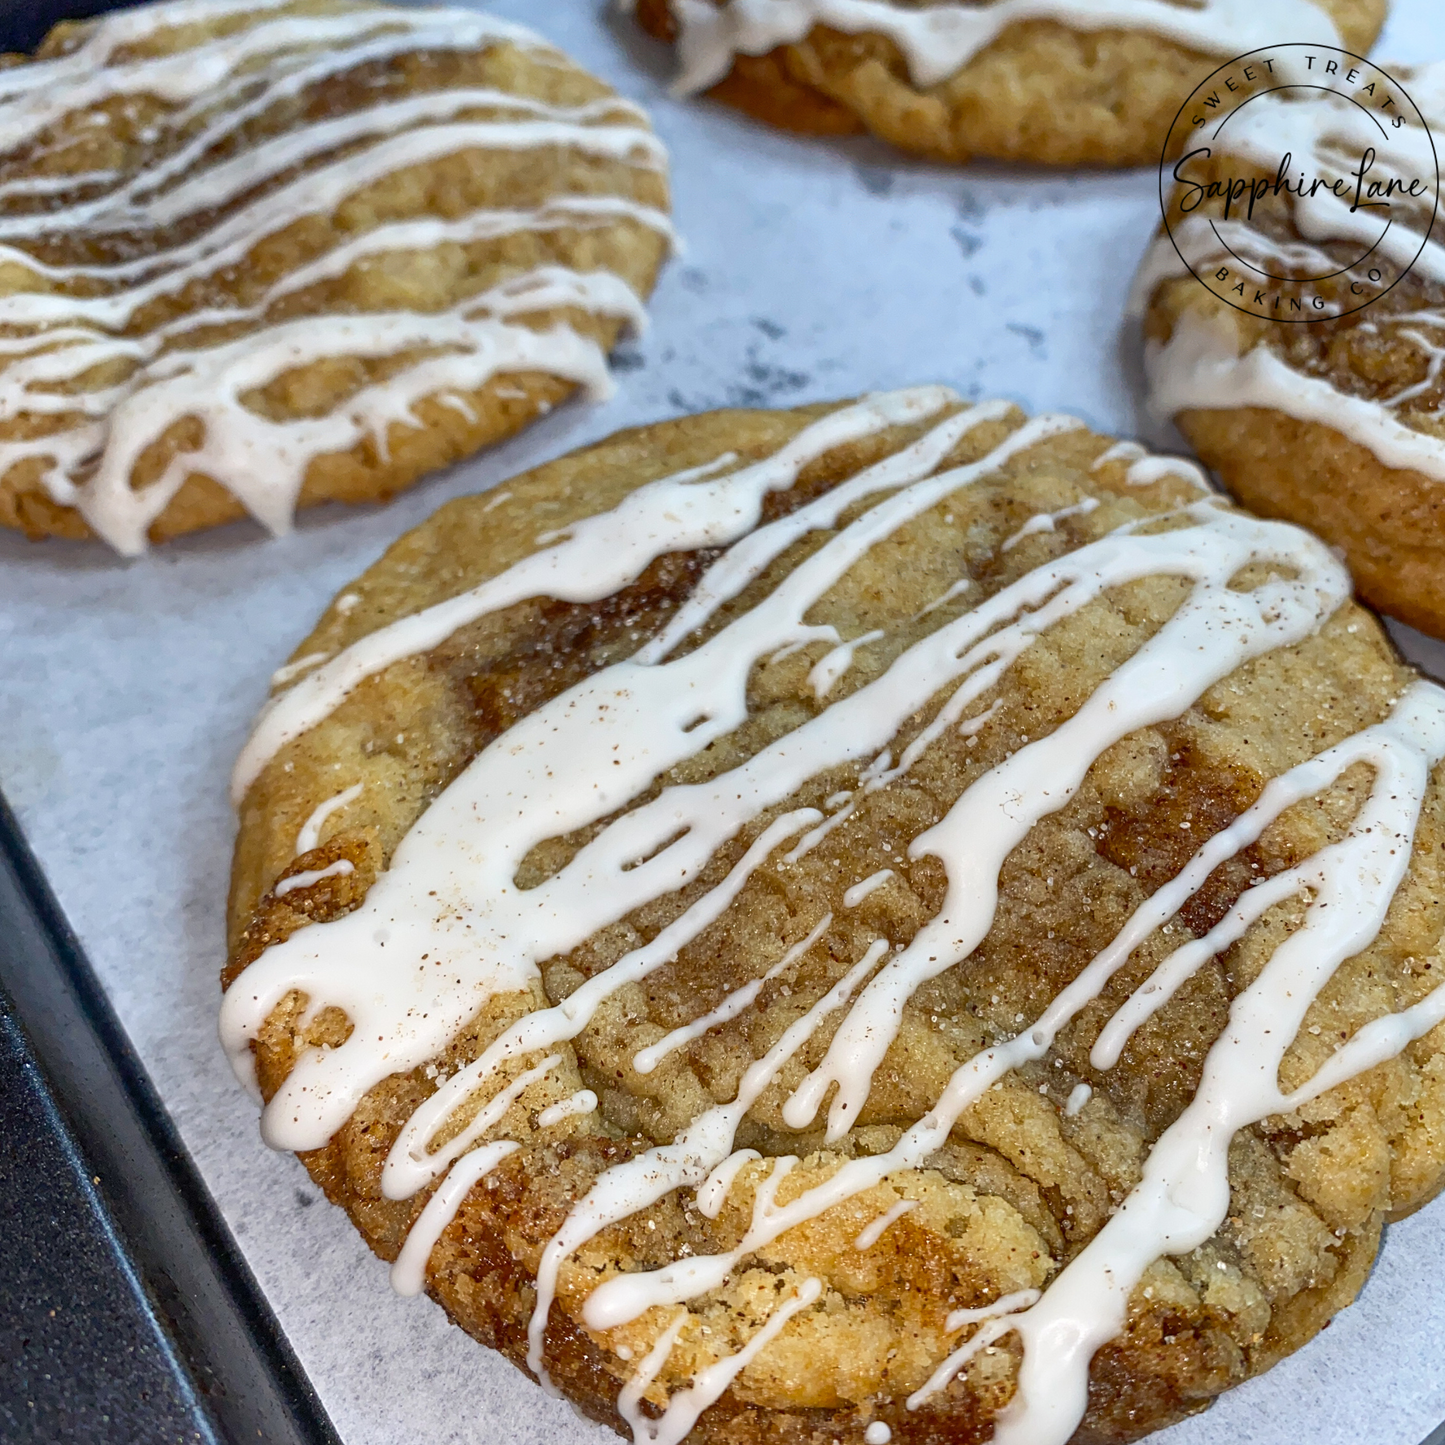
pixel 813 270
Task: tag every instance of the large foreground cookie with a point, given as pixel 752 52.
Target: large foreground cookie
pixel 1066 82
pixel 1338 423
pixel 789 923
pixel 258 254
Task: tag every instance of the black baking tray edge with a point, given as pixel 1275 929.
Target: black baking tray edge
pixel 127 1312
pixel 24 23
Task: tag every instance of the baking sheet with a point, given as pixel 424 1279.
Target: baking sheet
pixel 813 270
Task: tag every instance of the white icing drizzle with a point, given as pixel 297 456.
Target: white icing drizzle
pixel 310 834
pixel 1217 629
pixel 410 1164
pixel 995 1326
pixel 1125 451
pixel 408 1272
pixel 446 927
pixel 293 670
pixel 971 727
pixel 1184 1195
pixel 944 598
pixel 1435 359
pixel 873 1232
pixel 939 40
pixel 492 1111
pixel 1143 470
pixel 712 1193
pixel 630 1397
pixel 1149 470
pixel 624 1298
pixel 601 554
pixel 853 896
pixel 1079 1095
pixel 1048 522
pixel 1004 1305
pixel 342 867
pixel 100 432
pixel 466 346
pixel 90 75
pixel 832 665
pixel 644 1061
pixel 699 1149
pixel 877 1433
pixel 684 1406
pixel 584 1101
pixel 1201 366
pixel 490 934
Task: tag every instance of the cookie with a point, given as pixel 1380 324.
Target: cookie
pixel 1064 82
pixel 261 254
pixel 1337 423
pixel 774 919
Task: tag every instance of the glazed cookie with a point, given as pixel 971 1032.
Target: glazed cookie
pixel 260 254
pixel 1066 82
pixel 880 919
pixel 1339 423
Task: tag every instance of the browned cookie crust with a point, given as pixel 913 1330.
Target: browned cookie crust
pixel 1022 1184
pixel 1041 92
pixel 84 208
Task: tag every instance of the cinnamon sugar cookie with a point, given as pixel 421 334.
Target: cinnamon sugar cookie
pixel 1065 82
pixel 259 254
pixel 1338 424
pixel 881 919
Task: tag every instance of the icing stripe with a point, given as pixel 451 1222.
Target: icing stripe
pixel 1048 522
pixel 684 1407
pixel 293 670
pixel 701 1148
pixel 341 868
pixel 995 1327
pixel 408 1273
pixel 644 1061
pixel 43 92
pixel 1200 369
pixel 875 1231
pixel 309 835
pixel 584 1101
pixel 411 1162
